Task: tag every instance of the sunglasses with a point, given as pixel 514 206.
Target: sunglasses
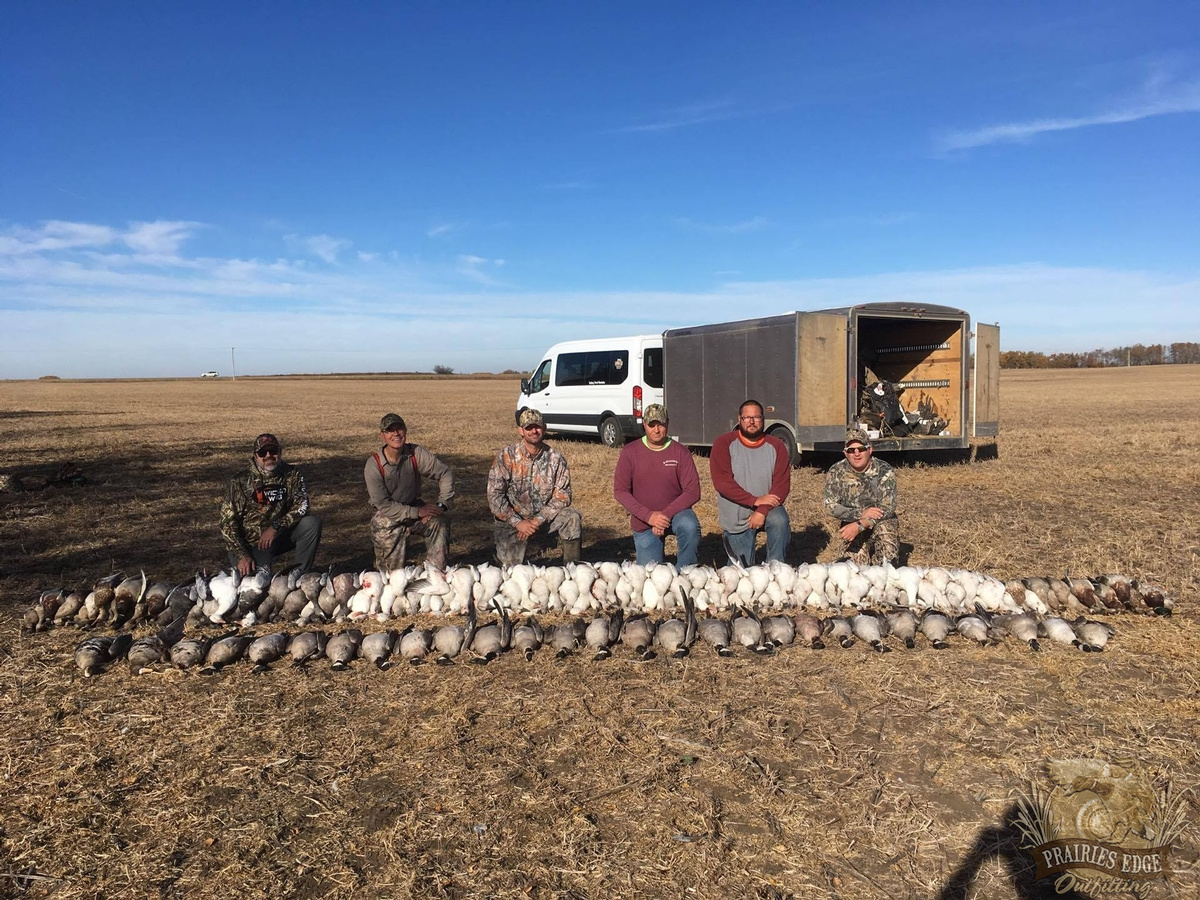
pixel 858 450
pixel 266 451
pixel 532 427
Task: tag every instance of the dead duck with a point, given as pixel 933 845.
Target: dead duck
pixel 415 644
pixel 451 640
pixel 225 651
pixel 154 602
pixel 638 634
pixel 94 654
pixel 779 631
pixel 40 616
pixel 147 652
pixel 936 627
pixel 305 646
pixel 492 639
pixel 342 648
pixel 838 627
pixel 1058 630
pixel 189 652
pixel 603 632
pixel 377 648
pixel 903 624
pixel 1024 627
pixel 675 636
pixel 810 628
pixel 564 638
pixel 715 632
pixel 975 628
pixel 872 629
pixel 528 637
pixel 98 603
pixel 69 607
pixel 747 630
pixel 267 649
pixel 1093 636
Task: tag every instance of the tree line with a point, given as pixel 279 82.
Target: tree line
pixel 1138 355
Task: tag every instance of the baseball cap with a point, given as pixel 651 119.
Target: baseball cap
pixel 265 440
pixel 530 417
pixel 390 421
pixel 856 436
pixel 655 412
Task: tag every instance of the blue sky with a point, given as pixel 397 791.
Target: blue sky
pixel 393 186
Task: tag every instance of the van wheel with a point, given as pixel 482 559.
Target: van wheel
pixel 789 444
pixel 610 432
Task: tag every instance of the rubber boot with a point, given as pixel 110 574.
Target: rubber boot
pixel 570 550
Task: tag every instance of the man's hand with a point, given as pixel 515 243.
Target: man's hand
pixel 874 513
pixel 659 522
pixel 526 529
pixel 267 539
pixel 245 566
pixel 849 531
pixel 427 512
pixel 767 500
pixel 756 520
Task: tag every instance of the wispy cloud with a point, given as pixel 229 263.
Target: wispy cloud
pixel 64 307
pixel 685 116
pixel 441 230
pixel 321 246
pixel 1160 95
pixel 755 224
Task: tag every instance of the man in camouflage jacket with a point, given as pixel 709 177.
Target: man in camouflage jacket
pixel 529 488
pixel 265 512
pixel 860 492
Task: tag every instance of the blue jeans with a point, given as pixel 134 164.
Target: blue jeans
pixel 686 528
pixel 779 534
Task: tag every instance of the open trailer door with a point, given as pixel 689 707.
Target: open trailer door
pixel 986 380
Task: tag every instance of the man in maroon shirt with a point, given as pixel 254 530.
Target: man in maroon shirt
pixel 752 474
pixel 657 482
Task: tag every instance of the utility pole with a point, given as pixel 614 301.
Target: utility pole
pixel 233 361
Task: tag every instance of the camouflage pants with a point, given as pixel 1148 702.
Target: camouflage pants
pixel 391 540
pixel 510 550
pixel 874 545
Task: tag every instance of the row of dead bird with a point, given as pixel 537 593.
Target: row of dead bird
pixel 643 636
pixel 578 589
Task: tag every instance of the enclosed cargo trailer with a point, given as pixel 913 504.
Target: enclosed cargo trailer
pixel 810 369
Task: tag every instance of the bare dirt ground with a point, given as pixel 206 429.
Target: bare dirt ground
pixel 839 774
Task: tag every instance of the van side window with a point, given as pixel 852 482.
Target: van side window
pixel 652 367
pixel 593 367
pixel 541 378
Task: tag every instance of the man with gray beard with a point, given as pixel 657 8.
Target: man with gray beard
pixel 265 512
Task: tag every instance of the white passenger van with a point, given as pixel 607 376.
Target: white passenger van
pixel 597 387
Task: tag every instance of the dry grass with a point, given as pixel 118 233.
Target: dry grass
pixel 838 774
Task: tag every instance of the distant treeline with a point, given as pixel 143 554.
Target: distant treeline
pixel 1137 355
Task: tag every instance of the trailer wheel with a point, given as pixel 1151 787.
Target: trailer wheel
pixel 789 443
pixel 610 432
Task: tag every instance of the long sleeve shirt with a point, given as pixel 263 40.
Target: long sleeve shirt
pixel 648 481
pixel 394 489
pixel 848 493
pixel 742 472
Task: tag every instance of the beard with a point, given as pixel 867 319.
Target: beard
pixel 267 467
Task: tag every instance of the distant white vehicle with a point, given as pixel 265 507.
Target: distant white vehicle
pixel 208 375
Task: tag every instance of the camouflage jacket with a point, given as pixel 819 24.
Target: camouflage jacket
pixel 255 501
pixel 521 486
pixel 848 493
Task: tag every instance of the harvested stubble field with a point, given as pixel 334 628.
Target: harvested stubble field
pixel 841 773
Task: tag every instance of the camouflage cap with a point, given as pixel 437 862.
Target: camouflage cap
pixel 530 416
pixel 856 436
pixel 266 440
pixel 391 421
pixel 655 412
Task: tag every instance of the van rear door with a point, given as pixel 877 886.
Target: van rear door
pixel 986 379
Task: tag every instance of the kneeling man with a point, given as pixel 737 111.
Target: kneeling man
pixel 657 483
pixel 393 477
